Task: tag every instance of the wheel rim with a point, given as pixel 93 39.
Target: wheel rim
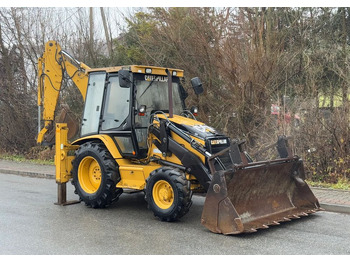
pixel 89 175
pixel 163 194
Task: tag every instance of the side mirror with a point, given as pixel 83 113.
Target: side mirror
pixel 124 78
pixel 197 85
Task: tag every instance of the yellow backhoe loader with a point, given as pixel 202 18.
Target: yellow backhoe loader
pixel 137 135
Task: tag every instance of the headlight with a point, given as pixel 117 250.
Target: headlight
pixel 194 110
pixel 142 110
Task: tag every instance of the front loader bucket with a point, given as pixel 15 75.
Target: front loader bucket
pixel 257 195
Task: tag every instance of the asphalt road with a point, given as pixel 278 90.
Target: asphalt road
pixel 31 224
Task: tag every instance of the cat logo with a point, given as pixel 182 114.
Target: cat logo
pixel 156 78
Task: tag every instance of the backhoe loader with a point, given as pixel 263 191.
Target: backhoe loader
pixel 138 135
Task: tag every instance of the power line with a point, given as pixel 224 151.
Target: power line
pixel 54 29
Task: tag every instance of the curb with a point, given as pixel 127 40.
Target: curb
pixel 328 189
pixel 25 173
pixel 331 206
pixel 335 208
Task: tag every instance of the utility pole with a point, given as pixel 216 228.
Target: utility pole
pixel 108 40
pixel 91 44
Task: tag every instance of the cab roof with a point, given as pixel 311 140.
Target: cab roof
pixel 153 70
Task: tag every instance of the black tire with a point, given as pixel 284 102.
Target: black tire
pixel 180 202
pixel 102 191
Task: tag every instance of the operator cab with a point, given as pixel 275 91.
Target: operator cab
pixel 120 102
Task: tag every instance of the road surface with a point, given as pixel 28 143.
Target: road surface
pixel 31 224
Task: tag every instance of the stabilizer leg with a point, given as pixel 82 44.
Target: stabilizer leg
pixel 63 164
pixel 62 196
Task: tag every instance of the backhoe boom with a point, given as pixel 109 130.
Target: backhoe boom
pixel 51 68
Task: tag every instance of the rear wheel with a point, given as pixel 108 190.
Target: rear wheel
pixel 95 175
pixel 168 193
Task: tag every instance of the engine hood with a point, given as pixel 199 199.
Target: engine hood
pixel 202 131
pixel 194 127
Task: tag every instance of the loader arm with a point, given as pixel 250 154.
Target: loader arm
pixel 52 66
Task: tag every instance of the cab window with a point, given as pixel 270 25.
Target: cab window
pixel 92 111
pixel 116 108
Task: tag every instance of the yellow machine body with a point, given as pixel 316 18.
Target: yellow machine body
pixel 133 175
pixel 133 142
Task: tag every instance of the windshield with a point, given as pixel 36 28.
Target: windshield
pixel 153 92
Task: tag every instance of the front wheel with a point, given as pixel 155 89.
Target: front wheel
pixel 168 193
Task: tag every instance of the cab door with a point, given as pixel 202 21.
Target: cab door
pixel 116 109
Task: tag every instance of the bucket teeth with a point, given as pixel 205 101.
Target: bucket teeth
pixel 295 216
pixel 265 226
pixel 286 219
pixel 252 230
pixel 303 214
pixel 275 223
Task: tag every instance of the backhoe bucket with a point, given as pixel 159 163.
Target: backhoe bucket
pixel 256 195
pixel 65 116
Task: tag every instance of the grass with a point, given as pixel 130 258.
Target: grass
pixel 21 158
pixel 343 184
